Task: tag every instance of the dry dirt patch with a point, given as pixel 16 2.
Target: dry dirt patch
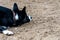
pixel 45 24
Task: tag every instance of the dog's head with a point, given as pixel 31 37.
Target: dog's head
pixel 21 15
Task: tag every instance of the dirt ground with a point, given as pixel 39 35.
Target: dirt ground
pixel 45 24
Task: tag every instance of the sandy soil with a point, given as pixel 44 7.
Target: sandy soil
pixel 45 24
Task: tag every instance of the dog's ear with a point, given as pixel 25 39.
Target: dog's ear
pixel 24 9
pixel 15 7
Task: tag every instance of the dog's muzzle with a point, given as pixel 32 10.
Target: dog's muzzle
pixel 30 18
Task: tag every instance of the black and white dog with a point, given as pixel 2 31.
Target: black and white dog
pixel 10 17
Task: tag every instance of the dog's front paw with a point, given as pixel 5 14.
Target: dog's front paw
pixel 7 32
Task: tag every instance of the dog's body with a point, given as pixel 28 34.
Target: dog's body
pixel 6 16
pixel 10 18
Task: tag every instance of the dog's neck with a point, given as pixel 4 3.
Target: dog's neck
pixel 13 15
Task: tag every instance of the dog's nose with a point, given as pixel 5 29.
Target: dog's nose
pixel 30 18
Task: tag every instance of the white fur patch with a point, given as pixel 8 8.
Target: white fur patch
pixel 7 32
pixel 16 17
pixel 30 18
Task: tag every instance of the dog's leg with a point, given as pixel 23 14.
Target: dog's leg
pixel 4 30
pixel 7 32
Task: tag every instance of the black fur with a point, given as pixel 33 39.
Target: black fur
pixel 6 16
pixel 23 18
